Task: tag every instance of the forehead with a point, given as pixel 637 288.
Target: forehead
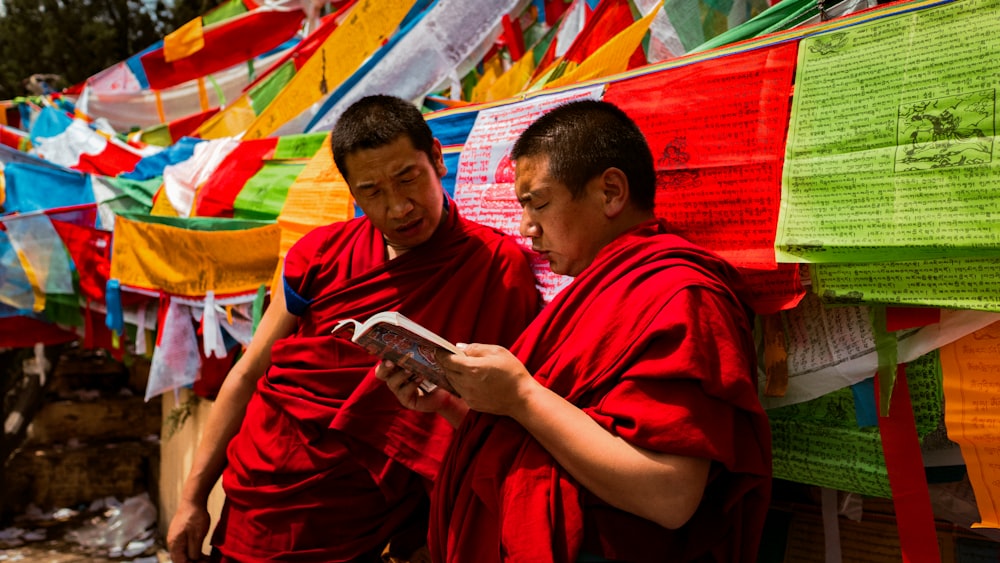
pixel 532 176
pixel 388 158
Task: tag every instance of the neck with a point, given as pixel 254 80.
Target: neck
pixel 629 219
pixel 392 251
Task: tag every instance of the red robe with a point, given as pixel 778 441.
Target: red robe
pixel 328 465
pixel 653 345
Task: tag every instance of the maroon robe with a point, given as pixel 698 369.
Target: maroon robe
pixel 652 343
pixel 327 465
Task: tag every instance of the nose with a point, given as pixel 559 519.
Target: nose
pixel 399 205
pixel 528 228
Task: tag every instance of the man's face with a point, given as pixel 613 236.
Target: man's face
pixel 399 189
pixel 567 232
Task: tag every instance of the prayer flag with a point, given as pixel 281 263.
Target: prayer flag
pixel 367 26
pixel 72 143
pixel 221 46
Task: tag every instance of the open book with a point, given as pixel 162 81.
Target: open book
pixel 392 336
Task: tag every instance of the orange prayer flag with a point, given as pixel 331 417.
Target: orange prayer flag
pixel 970 367
pixel 186 40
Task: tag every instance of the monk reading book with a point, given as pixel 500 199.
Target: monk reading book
pixel 319 462
pixel 624 424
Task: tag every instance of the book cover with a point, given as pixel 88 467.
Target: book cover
pixel 394 337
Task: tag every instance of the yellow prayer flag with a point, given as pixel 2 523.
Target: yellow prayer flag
pixel 230 122
pixel 610 58
pixel 36 286
pixel 162 206
pixel 513 81
pixel 319 196
pixel 191 262
pixel 970 367
pixel 365 28
pixel 185 41
pixel 492 69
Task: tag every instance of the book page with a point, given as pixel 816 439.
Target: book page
pixel 891 148
pixel 484 188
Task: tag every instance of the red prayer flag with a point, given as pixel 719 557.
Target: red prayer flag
pixel 185 126
pixel 901 318
pixel 609 19
pixel 907 479
pixel 231 43
pixel 717 133
pixel 216 196
pixel 23 332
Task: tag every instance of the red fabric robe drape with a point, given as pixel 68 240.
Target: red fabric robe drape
pixel 651 343
pixel 328 464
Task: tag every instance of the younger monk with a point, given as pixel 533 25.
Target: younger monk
pixel 624 424
pixel 323 464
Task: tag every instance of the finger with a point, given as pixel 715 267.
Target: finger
pixel 398 382
pixel 381 373
pixel 384 370
pixel 449 360
pixel 476 350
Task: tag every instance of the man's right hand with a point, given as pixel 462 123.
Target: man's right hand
pixel 187 532
pixel 406 387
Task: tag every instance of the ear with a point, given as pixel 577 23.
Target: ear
pixel 614 191
pixel 437 159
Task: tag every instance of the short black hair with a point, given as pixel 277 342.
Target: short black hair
pixel 375 121
pixel 584 138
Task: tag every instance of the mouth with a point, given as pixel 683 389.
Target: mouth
pixel 411 228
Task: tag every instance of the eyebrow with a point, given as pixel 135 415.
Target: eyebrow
pixel 404 171
pixel 531 194
pixel 401 172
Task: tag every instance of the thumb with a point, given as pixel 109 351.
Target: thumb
pixel 471 349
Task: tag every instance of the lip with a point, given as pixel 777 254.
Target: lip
pixel 410 228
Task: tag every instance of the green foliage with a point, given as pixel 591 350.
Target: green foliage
pixel 78 38
pixel 179 415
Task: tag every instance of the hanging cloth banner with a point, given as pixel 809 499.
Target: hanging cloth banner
pixel 180 257
pixel 971 368
pixel 367 27
pixel 42 255
pixel 731 189
pixel 319 196
pixel 439 42
pixel 208 50
pixel 618 47
pixel 904 462
pixel 185 41
pixel 235 118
